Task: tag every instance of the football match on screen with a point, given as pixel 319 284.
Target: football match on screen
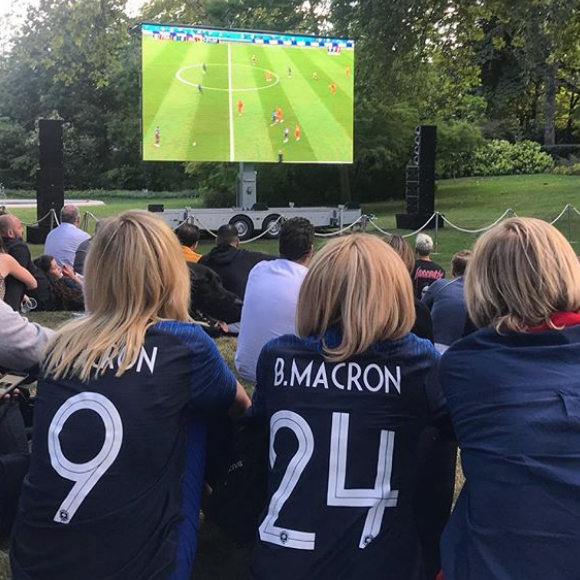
pixel 228 95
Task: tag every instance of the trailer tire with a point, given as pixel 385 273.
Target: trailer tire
pixel 244 226
pixel 274 233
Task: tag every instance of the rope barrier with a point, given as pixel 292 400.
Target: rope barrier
pixel 566 209
pixel 264 232
pixel 480 230
pixel 332 234
pixel 385 233
pixel 203 226
pixel 38 222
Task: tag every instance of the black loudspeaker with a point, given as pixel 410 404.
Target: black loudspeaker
pixel 49 179
pixel 420 181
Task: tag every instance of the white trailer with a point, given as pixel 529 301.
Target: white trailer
pixel 252 218
pixel 253 222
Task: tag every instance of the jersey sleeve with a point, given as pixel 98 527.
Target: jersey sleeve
pixel 213 386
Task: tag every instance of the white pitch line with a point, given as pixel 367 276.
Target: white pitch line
pixel 232 151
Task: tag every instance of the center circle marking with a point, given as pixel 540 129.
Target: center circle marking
pixel 208 88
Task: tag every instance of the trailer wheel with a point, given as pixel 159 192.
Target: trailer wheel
pixel 273 230
pixel 244 226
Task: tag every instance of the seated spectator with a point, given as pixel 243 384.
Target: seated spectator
pixel 21 342
pixel 12 234
pixel 63 241
pixel 423 326
pixel 437 451
pixel 343 428
pixel 446 302
pixel 230 262
pixel 126 394
pixel 188 236
pixel 82 251
pixel 10 267
pixel 512 390
pixel 65 287
pixel 272 294
pixel 425 271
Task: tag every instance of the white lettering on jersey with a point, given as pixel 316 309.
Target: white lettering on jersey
pixel 144 358
pixel 343 376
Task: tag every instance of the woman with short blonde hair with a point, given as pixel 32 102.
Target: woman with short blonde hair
pixel 346 402
pixel 119 427
pixel 512 391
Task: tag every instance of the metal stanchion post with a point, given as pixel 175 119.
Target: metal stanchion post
pixel 569 209
pixel 363 224
pixel 436 232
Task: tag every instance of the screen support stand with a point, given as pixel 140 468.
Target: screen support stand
pixel 247 189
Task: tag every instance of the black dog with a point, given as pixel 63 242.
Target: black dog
pixel 210 298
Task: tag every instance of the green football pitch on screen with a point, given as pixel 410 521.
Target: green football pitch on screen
pixel 211 95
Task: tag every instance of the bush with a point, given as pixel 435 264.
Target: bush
pixel 499 157
pixel 573 169
pixel 457 144
pixel 219 198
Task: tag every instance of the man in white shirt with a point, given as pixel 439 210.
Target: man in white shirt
pixel 63 242
pixel 272 294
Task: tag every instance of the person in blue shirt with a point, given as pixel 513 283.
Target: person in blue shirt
pixel 513 392
pixel 119 442
pixel 345 403
pixel 446 302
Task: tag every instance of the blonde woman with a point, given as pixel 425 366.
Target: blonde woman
pixel 345 403
pixel 119 434
pixel 513 391
pixel 10 267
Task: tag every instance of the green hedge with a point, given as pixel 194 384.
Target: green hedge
pixel 499 157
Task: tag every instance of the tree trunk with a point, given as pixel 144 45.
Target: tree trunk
pixel 550 110
pixel 345 191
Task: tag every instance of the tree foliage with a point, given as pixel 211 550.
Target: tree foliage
pixel 495 69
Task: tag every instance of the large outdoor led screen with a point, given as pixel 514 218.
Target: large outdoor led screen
pixel 226 95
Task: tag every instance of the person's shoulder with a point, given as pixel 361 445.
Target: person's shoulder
pixel 286 343
pixel 186 333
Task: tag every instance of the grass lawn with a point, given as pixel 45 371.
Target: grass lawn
pixel 470 203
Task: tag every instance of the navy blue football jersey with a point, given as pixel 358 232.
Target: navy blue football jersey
pixel 117 465
pixel 342 459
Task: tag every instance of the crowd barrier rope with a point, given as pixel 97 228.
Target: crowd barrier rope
pixel 51 214
pixel 360 220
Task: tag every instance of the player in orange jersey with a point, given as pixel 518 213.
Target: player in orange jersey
pixel 332 88
pixel 347 72
pixel 279 115
pixel 297 132
pixel 240 107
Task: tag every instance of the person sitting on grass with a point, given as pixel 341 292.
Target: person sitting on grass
pixel 188 236
pixel 119 449
pixel 426 271
pixel 513 393
pixel 65 288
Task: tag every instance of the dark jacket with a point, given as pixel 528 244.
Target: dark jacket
pixel 233 266
pixel 14 288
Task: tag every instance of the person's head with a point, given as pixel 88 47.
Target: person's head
pixel 49 266
pixel 296 240
pixel 188 235
pixel 521 272
pixel 11 227
pixel 135 276
pixel 403 249
pixel 228 235
pixel 459 263
pixel 358 284
pixel 423 245
pixel 70 214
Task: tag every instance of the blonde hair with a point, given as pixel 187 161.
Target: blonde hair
pixel 402 247
pixel 520 273
pixel 135 276
pixel 359 284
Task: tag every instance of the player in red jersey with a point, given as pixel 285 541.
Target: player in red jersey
pixel 279 115
pixel 332 87
pixel 240 107
pixel 297 132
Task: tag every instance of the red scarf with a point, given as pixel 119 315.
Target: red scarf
pixel 559 319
